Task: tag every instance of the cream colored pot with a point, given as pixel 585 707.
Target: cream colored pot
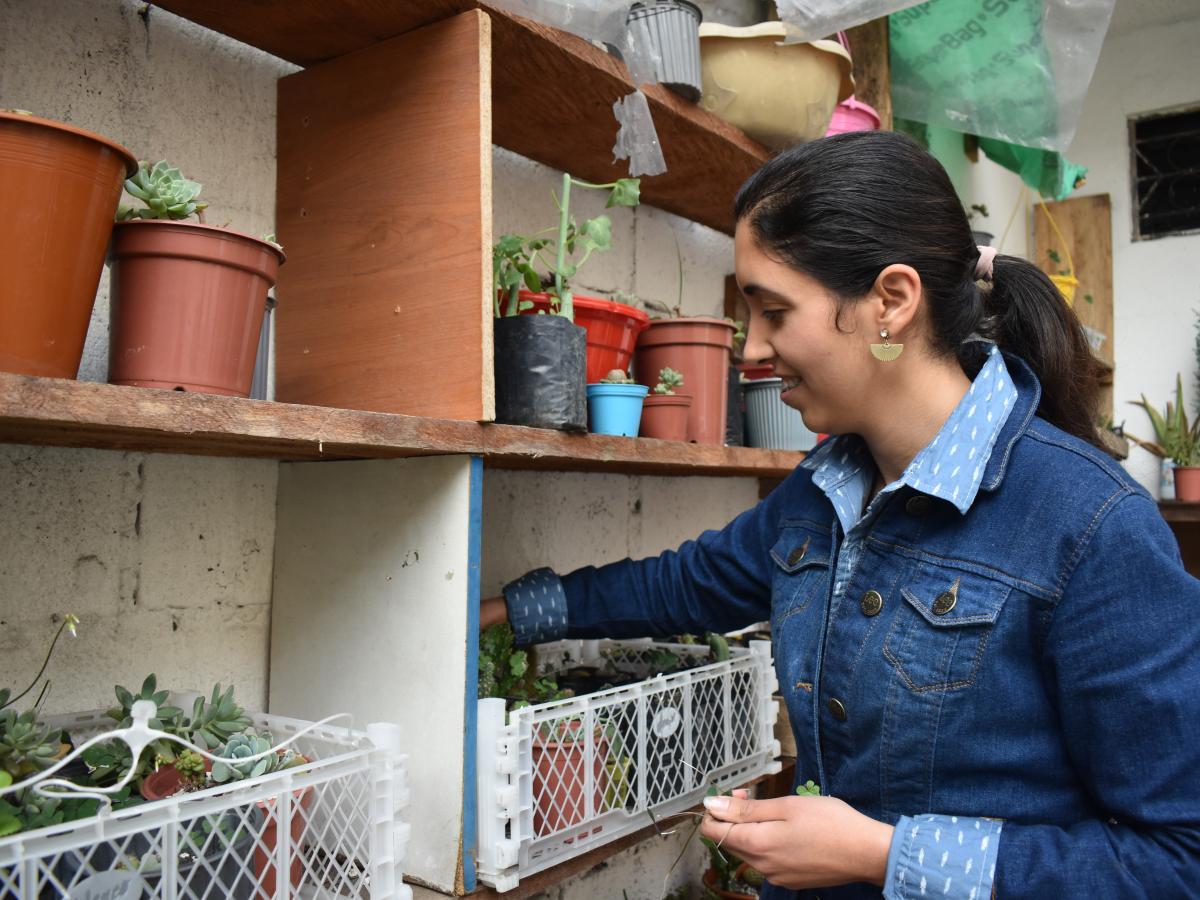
pixel 779 94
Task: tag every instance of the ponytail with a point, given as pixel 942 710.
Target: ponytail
pixel 1025 314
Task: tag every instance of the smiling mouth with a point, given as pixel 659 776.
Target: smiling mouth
pixel 789 383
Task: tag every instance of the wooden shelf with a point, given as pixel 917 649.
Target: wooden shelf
pixel 552 92
pixel 63 413
pixel 1174 511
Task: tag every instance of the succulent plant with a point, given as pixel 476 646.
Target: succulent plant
pixel 25 745
pixel 668 380
pixel 164 190
pixel 244 747
pixel 616 376
pixel 190 766
pixel 215 722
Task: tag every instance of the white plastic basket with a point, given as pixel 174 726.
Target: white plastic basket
pixel 330 825
pixel 559 779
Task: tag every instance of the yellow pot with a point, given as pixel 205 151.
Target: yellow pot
pixel 779 94
pixel 1066 285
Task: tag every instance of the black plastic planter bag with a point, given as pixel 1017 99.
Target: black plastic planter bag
pixel 541 372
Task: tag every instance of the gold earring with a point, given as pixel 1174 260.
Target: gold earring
pixel 887 351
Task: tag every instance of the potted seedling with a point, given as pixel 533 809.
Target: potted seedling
pixel 188 298
pixel 665 411
pixel 1175 439
pixel 698 347
pixel 540 353
pixel 615 404
pixel 60 186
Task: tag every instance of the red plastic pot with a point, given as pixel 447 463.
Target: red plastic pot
pixel 612 330
pixel 187 305
pixel 59 187
pixel 699 348
pixel 264 852
pixel 754 371
pixel 665 416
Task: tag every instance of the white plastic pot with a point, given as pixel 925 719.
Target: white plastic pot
pixel 779 94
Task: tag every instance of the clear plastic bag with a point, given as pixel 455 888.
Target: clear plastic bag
pixel 637 138
pixel 810 20
pixel 1015 70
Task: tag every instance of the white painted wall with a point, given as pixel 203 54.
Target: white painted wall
pixel 1156 288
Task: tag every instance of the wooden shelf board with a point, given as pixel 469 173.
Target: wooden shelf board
pixel 1175 511
pixel 552 92
pixel 64 413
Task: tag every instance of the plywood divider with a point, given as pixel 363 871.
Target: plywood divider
pixel 1086 226
pixel 384 207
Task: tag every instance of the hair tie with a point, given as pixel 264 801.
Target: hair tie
pixel 983 266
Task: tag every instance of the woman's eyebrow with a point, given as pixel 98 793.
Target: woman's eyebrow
pixel 753 289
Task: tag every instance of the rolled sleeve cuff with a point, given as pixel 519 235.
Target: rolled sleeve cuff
pixel 942 856
pixel 537 607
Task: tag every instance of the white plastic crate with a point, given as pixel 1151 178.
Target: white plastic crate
pixel 343 836
pixel 559 779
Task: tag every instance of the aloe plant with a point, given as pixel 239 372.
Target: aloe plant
pixel 1174 436
pixel 164 190
pixel 516 258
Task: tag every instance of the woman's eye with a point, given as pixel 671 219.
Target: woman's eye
pixel 772 315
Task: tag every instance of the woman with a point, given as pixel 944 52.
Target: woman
pixel 982 628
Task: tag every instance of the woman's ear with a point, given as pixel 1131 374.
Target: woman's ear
pixel 898 292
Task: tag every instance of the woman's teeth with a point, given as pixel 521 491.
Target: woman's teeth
pixel 789 383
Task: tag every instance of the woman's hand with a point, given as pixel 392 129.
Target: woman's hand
pixel 800 842
pixel 492 611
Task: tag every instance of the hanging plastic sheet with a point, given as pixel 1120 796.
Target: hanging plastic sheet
pixel 1014 70
pixel 604 21
pixel 810 20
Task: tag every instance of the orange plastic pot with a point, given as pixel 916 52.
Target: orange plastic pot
pixel 187 305
pixel 560 778
pixel 59 188
pixel 612 330
pixel 665 416
pixel 699 348
pixel 1187 484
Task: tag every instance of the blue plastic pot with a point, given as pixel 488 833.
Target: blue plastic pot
pixel 615 408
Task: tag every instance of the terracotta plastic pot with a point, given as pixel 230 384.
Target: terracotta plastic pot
pixel 560 778
pixel 264 852
pixel 698 348
pixel 187 306
pixel 711 879
pixel 612 330
pixel 665 416
pixel 1187 484
pixel 59 188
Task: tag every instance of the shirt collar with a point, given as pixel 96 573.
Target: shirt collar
pixel 951 466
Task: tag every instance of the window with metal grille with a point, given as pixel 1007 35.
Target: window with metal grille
pixel 1165 152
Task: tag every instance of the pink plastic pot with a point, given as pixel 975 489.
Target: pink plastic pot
pixel 853 115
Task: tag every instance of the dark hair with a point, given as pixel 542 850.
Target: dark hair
pixel 843 208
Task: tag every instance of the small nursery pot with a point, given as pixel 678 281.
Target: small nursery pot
pixel 540 363
pixel 615 408
pixel 665 416
pixel 698 347
pixel 187 305
pixel 1187 484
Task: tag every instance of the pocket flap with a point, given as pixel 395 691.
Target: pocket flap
pixel 799 547
pixel 952 599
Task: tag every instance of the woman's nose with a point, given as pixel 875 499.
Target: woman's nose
pixel 756 348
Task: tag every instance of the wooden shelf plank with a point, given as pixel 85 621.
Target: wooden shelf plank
pixel 552 92
pixel 1175 511
pixel 64 413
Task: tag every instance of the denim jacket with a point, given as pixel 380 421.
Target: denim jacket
pixel 1058 692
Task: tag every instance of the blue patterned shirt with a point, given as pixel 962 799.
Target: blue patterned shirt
pixel 931 855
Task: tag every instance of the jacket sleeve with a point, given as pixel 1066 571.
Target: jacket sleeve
pixel 1122 662
pixel 719 582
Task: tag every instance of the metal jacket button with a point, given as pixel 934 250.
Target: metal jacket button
pixel 797 554
pixel 917 505
pixel 945 602
pixel 871 603
pixel 837 709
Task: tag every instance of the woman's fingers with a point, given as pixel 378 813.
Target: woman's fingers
pixel 743 809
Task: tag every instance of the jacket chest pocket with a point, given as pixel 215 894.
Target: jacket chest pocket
pixel 941 631
pixel 800 573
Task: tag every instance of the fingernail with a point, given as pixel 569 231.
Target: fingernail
pixel 716 804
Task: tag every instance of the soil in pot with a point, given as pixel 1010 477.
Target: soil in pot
pixel 187 306
pixel 540 362
pixel 61 186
